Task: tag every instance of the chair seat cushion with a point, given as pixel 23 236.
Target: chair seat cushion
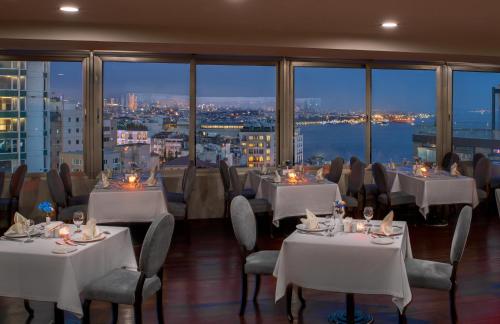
pixel 350 201
pixel 178 209
pixel 397 198
pixel 370 189
pixel 481 194
pixel 495 182
pixel 175 197
pixel 260 205
pixel 261 262
pixel 78 200
pixel 119 285
pixel 248 193
pixel 428 274
pixel 66 214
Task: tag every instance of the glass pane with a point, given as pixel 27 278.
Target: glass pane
pixel 476 114
pixel 329 114
pixel 35 97
pixel 403 115
pixel 146 115
pixel 235 115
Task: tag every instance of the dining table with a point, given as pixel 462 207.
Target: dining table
pixel 291 198
pixel 38 271
pixel 349 263
pixel 435 187
pixel 123 202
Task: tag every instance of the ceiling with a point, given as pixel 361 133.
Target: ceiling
pixel 441 27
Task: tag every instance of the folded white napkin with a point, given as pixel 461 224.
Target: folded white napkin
pixel 18 226
pixel 104 179
pixel 386 226
pixel 319 174
pixel 277 177
pixel 454 170
pixel 152 177
pixel 263 169
pixel 311 222
pixel 418 172
pixel 90 230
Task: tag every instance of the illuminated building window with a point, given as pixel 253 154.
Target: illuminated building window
pixel 268 151
pixel 268 138
pixel 250 159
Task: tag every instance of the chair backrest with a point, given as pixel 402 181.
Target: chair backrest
pixel 380 176
pixel 189 185
pixel 482 173
pixel 448 160
pixel 235 180
pixel 224 173
pixel 2 179
pixel 184 175
pixel 461 234
pixel 353 160
pixel 17 181
pixel 356 178
pixel 475 159
pixel 336 167
pixel 156 245
pixel 56 188
pixel 65 174
pixel 244 224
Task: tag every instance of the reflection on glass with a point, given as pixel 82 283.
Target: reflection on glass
pixel 146 115
pixel 403 115
pixel 329 114
pixel 476 114
pixel 236 115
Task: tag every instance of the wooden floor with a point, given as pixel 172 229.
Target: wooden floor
pixel 203 283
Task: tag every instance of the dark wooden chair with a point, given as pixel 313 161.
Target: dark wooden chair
pixel 64 212
pixel 65 174
pixel 336 168
pixel 10 204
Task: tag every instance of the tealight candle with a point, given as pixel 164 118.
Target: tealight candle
pixel 132 178
pixel 64 232
pixel 360 226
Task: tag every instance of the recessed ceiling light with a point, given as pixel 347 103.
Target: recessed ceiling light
pixel 69 9
pixel 389 24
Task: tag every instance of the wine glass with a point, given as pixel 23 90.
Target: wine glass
pixel 368 214
pixel 27 229
pixel 78 218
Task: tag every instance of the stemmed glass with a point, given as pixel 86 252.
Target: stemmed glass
pixel 78 218
pixel 27 228
pixel 368 214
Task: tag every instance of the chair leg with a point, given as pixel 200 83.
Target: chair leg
pixel 402 316
pixel 138 312
pixel 28 308
pixel 453 308
pixel 289 292
pixel 244 291
pixel 159 305
pixel 86 312
pixel 257 288
pixel 301 297
pixel 114 310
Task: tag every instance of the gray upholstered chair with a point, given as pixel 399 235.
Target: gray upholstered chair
pixel 178 196
pixel 11 204
pixel 482 175
pixel 448 160
pixel 236 188
pixel 65 174
pixel 439 275
pixel 258 205
pixel 355 185
pixel 385 196
pixel 226 183
pixel 253 261
pixel 64 212
pixel 131 287
pixel 475 159
pixel 336 168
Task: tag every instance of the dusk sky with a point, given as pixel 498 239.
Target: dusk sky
pixel 340 88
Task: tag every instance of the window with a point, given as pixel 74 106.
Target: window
pixel 146 115
pixel 476 114
pixel 403 115
pixel 329 114
pixel 235 108
pixel 28 118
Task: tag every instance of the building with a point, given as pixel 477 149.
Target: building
pixel 168 146
pixel 129 136
pixel 298 146
pixel 132 102
pixel 258 146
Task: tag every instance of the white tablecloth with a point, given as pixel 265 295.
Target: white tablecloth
pixel 31 271
pixel 126 206
pixel 436 189
pixel 347 262
pixel 289 200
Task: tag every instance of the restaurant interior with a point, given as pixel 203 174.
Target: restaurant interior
pixel 249 161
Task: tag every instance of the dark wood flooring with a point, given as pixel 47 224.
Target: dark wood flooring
pixel 203 283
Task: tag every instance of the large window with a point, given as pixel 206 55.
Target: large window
pixel 235 115
pixel 146 115
pixel 329 114
pixel 476 114
pixel 403 115
pixel 34 99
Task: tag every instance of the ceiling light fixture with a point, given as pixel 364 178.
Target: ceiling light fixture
pixel 69 9
pixel 389 24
